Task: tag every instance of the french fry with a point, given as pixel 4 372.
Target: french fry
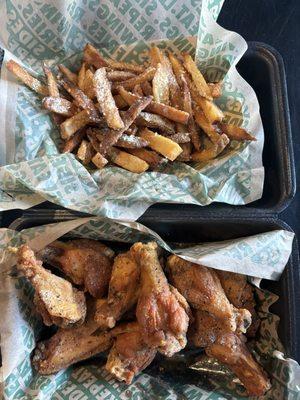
pixel 126 141
pixel 51 82
pixel 161 144
pixel 181 137
pixel 73 124
pixel 156 56
pixel 147 88
pixel 177 67
pixel 106 100
pixel 99 160
pixel 132 130
pixel 59 105
pixel 213 151
pixel 129 117
pixel 85 152
pixel 81 76
pixel 74 141
pixel 209 129
pixel 69 74
pixel 147 75
pixel 185 156
pixel 92 56
pixel 198 79
pixel 155 121
pixel 81 98
pixel 88 86
pixel 157 108
pixel 236 133
pixel 187 106
pixel 26 78
pixel 160 85
pixel 120 102
pixel 215 89
pixel 128 161
pixel 137 90
pixel 151 157
pixel 118 76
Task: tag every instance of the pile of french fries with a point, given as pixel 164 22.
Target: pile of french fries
pixel 135 116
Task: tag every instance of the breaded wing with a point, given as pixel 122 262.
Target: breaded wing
pixel 163 319
pixel 86 262
pixel 122 293
pixel 57 300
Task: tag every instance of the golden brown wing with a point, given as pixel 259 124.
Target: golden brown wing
pixel 86 262
pixel 56 296
pixel 122 293
pixel 129 354
pixel 162 318
pixel 230 350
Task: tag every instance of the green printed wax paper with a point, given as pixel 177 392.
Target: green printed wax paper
pixel 175 378
pixel 33 170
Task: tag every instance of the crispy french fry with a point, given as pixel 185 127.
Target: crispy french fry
pixel 198 79
pixel 147 75
pixel 81 76
pixel 161 109
pixel 151 157
pixel 137 90
pixel 215 89
pixel 126 141
pixel 156 122
pixel 69 74
pixel 132 130
pixel 73 124
pixel 206 126
pixel 59 105
pixel 26 78
pixel 88 86
pixel 99 160
pixel 92 56
pixel 129 117
pixel 177 67
pixel 185 156
pixel 147 88
pixel 118 76
pixel 213 151
pixel 160 85
pixel 106 100
pixel 81 98
pixel 128 161
pixel 187 106
pixel 161 144
pixel 181 137
pixel 51 82
pixel 74 141
pixel 236 133
pixel 156 56
pixel 85 152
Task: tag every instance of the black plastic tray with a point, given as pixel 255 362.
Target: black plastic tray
pixel 214 229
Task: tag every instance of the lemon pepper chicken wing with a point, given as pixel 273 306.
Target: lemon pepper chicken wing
pixel 58 302
pixel 203 290
pixel 122 292
pixel 86 262
pixel 129 354
pixel 68 346
pixel 230 350
pixel 162 318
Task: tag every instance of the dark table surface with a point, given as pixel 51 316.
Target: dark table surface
pixel 277 23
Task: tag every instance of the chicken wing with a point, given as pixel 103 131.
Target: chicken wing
pixel 205 328
pixel 68 346
pixel 122 293
pixel 86 262
pixel 230 350
pixel 163 320
pixel 203 290
pixel 57 300
pixel 241 294
pixel 129 354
